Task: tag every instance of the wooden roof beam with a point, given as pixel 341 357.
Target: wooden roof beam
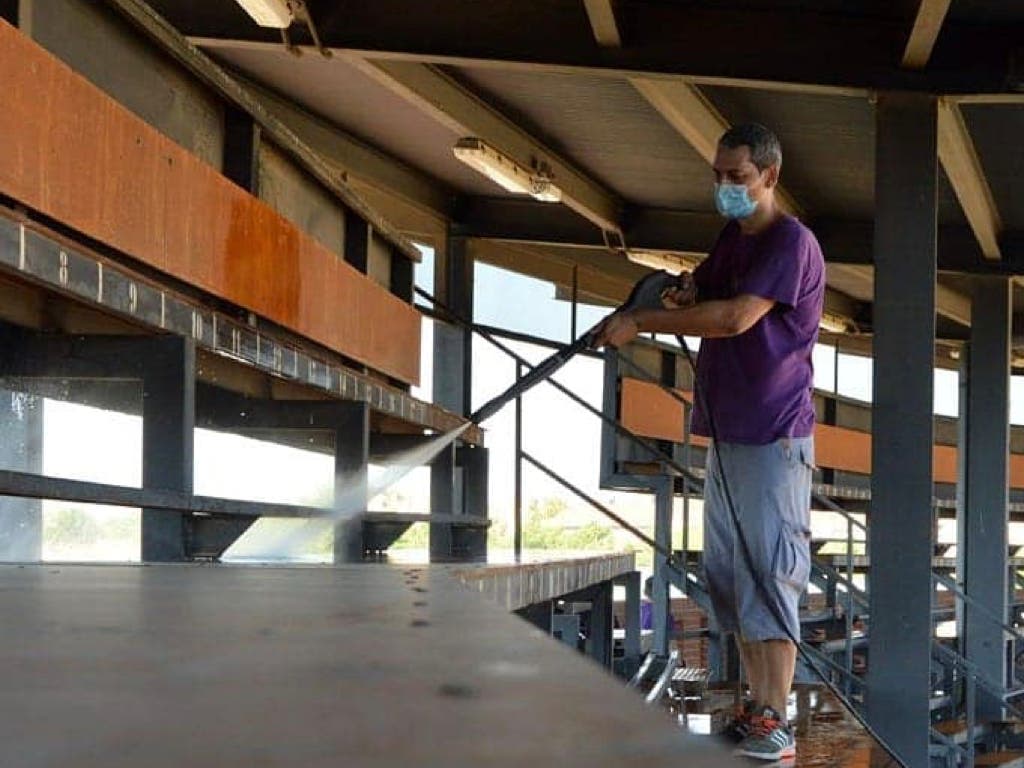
pixel 693 117
pixel 963 167
pixel 681 104
pixel 602 20
pixel 930 16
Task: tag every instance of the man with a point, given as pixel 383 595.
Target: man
pixel 756 302
pixel 647 609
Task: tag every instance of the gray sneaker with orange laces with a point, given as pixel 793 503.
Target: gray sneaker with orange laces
pixel 770 737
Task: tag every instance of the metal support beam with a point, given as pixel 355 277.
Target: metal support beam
pixel 357 241
pixel 443 501
pixel 241 149
pixel 927 25
pixel 351 479
pixel 21 449
pixel 666 40
pixel 168 427
pixel 696 120
pixel 602 20
pixel 599 641
pixel 453 281
pixel 402 278
pixel 453 347
pixel 631 645
pixel 663 498
pixel 474 463
pixel 963 167
pixel 900 534
pixel 983 517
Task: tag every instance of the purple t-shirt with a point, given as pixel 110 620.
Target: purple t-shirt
pixel 759 384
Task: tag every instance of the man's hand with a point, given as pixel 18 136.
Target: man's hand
pixel 683 296
pixel 618 329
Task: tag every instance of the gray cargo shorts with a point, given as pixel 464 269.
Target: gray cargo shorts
pixel 770 486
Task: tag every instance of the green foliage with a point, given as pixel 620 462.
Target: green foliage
pixel 70 526
pixel 543 529
pixel 417 536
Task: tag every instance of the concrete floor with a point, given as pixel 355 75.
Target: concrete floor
pixel 368 665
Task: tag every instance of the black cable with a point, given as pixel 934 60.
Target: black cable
pixel 749 561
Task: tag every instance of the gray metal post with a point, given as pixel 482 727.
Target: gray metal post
pixel 902 423
pixel 452 376
pixel 168 426
pixel 351 479
pixel 983 519
pixel 631 646
pixel 599 641
pixel 474 461
pixel 442 502
pixel 21 448
pixel 663 536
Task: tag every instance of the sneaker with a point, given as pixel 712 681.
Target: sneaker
pixel 770 737
pixel 739 726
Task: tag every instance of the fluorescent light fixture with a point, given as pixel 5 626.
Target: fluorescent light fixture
pixel 834 323
pixel 506 172
pixel 269 13
pixel 670 262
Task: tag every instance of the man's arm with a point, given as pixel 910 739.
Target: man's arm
pixel 709 320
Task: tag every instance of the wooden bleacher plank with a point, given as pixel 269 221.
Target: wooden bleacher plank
pixel 76 155
pixel 647 410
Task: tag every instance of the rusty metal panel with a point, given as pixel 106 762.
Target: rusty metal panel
pixel 647 410
pixel 299 198
pixel 81 158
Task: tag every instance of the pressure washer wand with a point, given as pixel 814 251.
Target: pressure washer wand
pixel 646 294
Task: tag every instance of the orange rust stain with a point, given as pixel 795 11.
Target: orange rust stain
pixel 71 152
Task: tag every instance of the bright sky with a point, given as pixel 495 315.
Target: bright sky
pixel 88 444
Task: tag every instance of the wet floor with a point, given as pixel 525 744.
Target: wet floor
pixel 827 735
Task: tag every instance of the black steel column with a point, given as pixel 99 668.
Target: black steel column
pixel 443 501
pixel 21 449
pixel 664 495
pixel 631 646
pixel 351 479
pixel 474 461
pixel 900 532
pixel 241 149
pixel 357 241
pixel 599 642
pixel 168 425
pixel 453 282
pixel 983 517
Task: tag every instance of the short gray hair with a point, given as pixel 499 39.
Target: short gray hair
pixel 765 150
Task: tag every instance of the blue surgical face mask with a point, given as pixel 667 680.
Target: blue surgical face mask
pixel 733 201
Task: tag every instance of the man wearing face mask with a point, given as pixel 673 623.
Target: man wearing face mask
pixel 756 302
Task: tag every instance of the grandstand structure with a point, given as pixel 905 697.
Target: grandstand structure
pixel 209 223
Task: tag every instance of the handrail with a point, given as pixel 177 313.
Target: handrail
pixel 968 667
pixel 955 588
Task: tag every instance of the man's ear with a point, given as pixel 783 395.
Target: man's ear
pixel 771 178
